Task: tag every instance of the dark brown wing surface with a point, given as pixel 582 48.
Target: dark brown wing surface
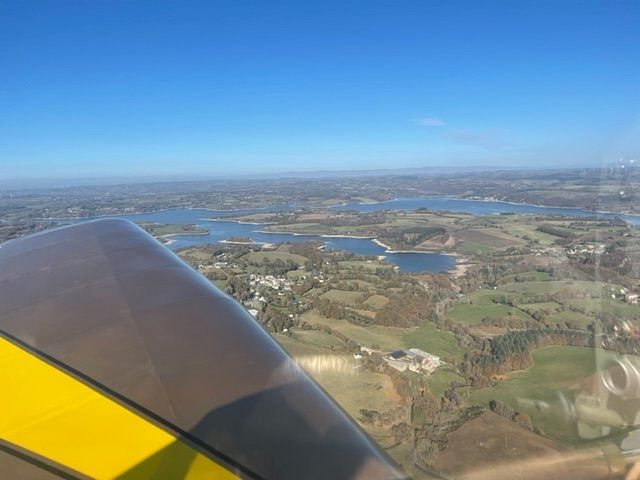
pixel 123 362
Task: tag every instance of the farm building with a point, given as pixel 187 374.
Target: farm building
pixel 413 359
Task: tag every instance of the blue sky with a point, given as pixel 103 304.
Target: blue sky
pixel 90 88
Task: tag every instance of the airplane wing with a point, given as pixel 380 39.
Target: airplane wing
pixel 117 360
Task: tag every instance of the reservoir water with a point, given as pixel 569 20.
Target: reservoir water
pixel 479 207
pixel 221 229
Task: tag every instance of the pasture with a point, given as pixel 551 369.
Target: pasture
pixel 555 369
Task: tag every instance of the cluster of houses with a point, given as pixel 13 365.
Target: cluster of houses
pixel 270 281
pixel 590 248
pixel 216 265
pixel 413 359
pixel 627 328
pixel 629 296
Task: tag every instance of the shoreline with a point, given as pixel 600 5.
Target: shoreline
pixel 262 245
pixel 463 263
pixel 322 235
pixel 187 234
pixel 238 221
pixel 232 242
pixel 360 237
pixel 395 199
pixel 388 249
pixel 488 200
pixel 160 210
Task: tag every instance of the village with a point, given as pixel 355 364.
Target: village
pixel 412 359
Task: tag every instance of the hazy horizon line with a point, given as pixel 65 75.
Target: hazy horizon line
pixel 62 181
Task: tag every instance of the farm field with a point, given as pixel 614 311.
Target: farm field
pixel 358 388
pixel 198 254
pixel 404 454
pixel 472 314
pixel 555 368
pixel 316 338
pixel 344 296
pixel 298 349
pixel 527 277
pixel 484 240
pixel 441 379
pixel 384 338
pixel 351 387
pixel 376 301
pixel 541 307
pixel 554 286
pixel 158 230
pixel 488 440
pixel 485 296
pixel 607 305
pixel 575 320
pixel 339 374
pixel 363 264
pixel 523 230
pixel 575 313
pixel 428 338
pixel 259 257
pixel 308 228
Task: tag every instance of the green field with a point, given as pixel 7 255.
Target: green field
pixel 533 276
pixel 428 338
pixel 310 228
pixel 441 380
pixel 316 338
pixel 572 319
pixel 296 348
pixel 486 296
pixel 484 303
pixel 384 338
pixel 472 248
pixel 482 240
pixel 352 387
pixel 376 301
pixel 542 306
pixel 472 314
pixel 554 286
pixel 344 296
pixel 356 388
pixel 259 257
pixel 357 283
pixel 404 454
pixel 555 368
pixel 296 274
pixel 366 264
pixel 196 254
pixel 172 229
pixel 607 305
pixel 530 231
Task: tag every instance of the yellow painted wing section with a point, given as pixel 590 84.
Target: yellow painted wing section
pixel 46 411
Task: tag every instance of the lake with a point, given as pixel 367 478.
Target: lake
pixel 405 261
pixel 222 230
pixel 479 207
